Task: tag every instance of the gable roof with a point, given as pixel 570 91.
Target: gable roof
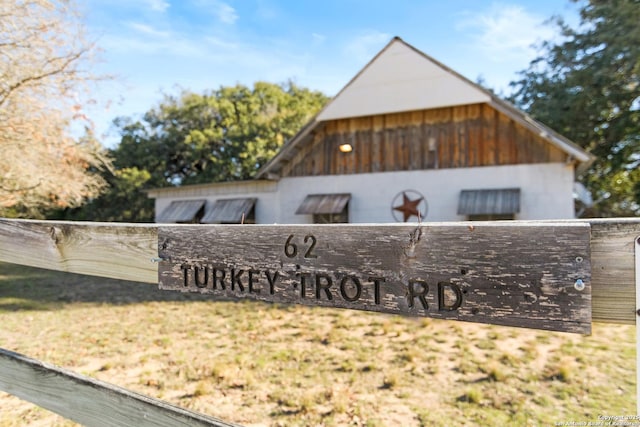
pixel 402 78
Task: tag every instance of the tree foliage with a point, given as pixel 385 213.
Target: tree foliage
pixel 587 87
pixel 222 135
pixel 43 55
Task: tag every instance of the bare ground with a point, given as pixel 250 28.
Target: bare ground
pixel 267 365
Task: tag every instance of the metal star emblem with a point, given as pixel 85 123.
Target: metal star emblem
pixel 409 207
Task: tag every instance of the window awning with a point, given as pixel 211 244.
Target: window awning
pixel 181 211
pixel 489 202
pixel 324 204
pixel 229 211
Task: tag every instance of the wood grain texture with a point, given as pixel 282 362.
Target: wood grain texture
pixel 515 274
pixel 89 401
pixel 466 136
pixel 613 270
pixel 123 251
pixel 120 251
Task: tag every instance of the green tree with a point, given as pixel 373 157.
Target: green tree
pixel 222 135
pixel 587 87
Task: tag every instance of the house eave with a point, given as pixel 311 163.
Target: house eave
pixel 155 193
pixel 573 151
pixel 271 170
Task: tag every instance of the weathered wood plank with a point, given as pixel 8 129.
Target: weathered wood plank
pixel 613 270
pixel 330 148
pixel 123 251
pixel 430 135
pixel 119 251
pixel 444 146
pixel 463 145
pixel 377 150
pixel 389 157
pixel 362 149
pixel 516 274
pixel 416 146
pixel 471 135
pixel 512 143
pixel 403 142
pixel 490 137
pixel 316 154
pixel 351 157
pixel 503 141
pixel 340 158
pixel 475 142
pixel 89 401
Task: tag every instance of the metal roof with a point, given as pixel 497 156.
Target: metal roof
pixel 489 202
pixel 181 211
pixel 229 211
pixel 324 203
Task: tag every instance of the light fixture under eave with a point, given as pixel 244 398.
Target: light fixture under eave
pixel 346 148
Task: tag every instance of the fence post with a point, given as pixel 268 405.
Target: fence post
pixel 637 273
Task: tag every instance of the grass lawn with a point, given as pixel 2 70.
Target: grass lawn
pixel 268 365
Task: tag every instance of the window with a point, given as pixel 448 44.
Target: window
pixel 326 208
pixel 337 218
pixel 183 211
pixel 232 211
pixel 489 204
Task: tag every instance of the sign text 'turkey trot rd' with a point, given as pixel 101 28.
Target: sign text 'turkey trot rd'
pixel 534 275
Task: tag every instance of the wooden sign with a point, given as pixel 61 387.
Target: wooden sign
pixel 534 275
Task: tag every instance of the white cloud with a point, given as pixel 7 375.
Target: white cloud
pixel 225 13
pixel 365 46
pixel 221 10
pixel 147 30
pixel 506 32
pixel 158 5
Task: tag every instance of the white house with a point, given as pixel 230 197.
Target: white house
pixel 407 137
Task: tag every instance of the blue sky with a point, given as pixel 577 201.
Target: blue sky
pixel 160 46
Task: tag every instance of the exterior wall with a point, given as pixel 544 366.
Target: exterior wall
pixel 266 208
pixel 546 192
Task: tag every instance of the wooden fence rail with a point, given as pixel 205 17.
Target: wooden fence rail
pixel 88 401
pixel 125 251
pixel 131 252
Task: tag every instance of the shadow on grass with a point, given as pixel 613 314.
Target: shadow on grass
pixel 28 288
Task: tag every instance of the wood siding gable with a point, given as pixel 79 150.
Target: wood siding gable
pixel 461 136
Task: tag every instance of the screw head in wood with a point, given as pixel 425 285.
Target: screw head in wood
pixel 579 285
